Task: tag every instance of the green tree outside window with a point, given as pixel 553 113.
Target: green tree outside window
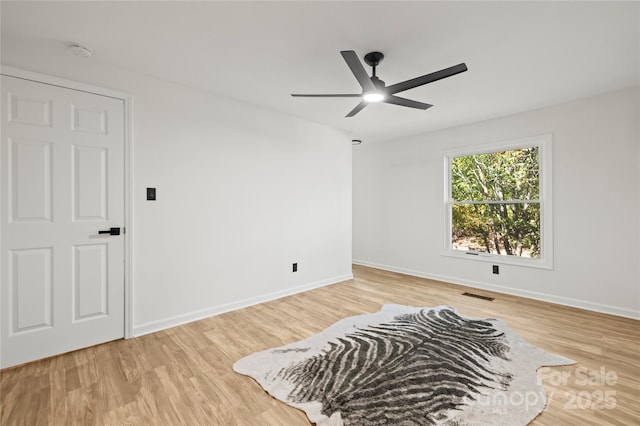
pixel 495 205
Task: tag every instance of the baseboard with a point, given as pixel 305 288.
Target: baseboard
pixel 545 297
pixel 152 327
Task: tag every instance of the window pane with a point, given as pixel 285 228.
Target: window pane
pixel 507 229
pixel 496 176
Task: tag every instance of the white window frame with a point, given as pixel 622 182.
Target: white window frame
pixel 543 142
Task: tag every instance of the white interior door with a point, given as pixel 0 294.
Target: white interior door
pixel 62 181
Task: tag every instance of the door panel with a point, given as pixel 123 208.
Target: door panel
pixel 90 183
pixel 29 167
pixel 85 120
pixel 62 182
pixel 34 111
pixel 30 296
pixel 90 284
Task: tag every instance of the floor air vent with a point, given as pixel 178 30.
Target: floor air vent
pixel 477 296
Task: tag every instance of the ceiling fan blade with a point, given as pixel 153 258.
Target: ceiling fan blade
pixel 357 109
pixel 332 95
pixel 428 78
pixel 358 71
pixel 397 100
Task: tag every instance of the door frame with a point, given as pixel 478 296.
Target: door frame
pixel 128 172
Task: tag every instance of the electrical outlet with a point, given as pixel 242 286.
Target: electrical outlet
pixel 496 269
pixel 151 194
pixel 295 267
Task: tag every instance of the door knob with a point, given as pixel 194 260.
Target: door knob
pixel 110 231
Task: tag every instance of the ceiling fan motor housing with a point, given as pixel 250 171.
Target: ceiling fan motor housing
pixel 377 82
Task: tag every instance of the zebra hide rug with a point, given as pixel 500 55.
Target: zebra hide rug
pixel 408 366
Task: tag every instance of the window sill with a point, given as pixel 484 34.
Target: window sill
pixel 500 259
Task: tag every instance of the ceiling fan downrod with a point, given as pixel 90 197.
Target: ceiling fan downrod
pixel 373 59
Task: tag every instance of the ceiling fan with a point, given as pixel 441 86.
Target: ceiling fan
pixel 375 90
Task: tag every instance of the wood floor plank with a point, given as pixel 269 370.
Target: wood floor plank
pixel 183 375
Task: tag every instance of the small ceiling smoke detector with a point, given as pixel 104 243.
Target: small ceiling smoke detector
pixel 356 141
pixel 83 52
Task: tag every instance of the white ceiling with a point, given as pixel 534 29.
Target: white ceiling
pixel 521 55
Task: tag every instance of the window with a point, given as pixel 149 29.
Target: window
pixel 498 203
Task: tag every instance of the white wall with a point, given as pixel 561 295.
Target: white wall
pixel 398 192
pixel 243 192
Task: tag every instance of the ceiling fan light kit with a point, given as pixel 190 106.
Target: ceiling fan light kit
pixel 373 97
pixel 375 90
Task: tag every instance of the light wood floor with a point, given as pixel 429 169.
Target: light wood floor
pixel 183 376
